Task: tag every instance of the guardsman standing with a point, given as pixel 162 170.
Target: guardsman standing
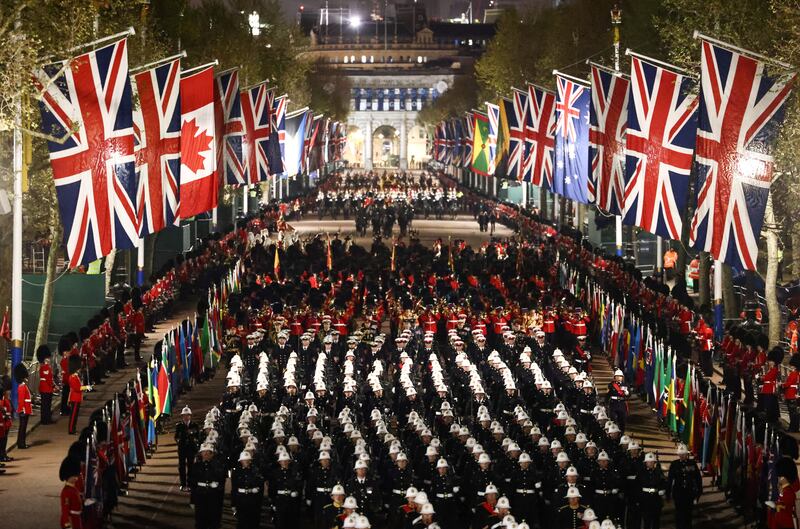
pixel 684 486
pixel 768 394
pixel 45 383
pixel 781 512
pixel 618 399
pixel 207 481
pixel 187 437
pixel 791 393
pixel 71 495
pixel 75 392
pixel 6 419
pixel 652 489
pixel 247 493
pixel 24 404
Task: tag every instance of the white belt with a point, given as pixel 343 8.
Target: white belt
pixel 211 485
pixel 444 495
pixel 284 492
pixel 526 491
pixel 603 492
pixel 630 477
pixel 617 398
pixel 398 491
pixel 323 489
pixel 248 491
pixel 646 489
pixel 481 493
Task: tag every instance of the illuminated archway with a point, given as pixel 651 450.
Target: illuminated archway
pixel 354 148
pixel 418 154
pixel 385 147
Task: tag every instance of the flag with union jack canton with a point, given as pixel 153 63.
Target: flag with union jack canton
pixel 458 134
pixel 540 130
pixel 517 116
pixel 94 169
pixel 157 135
pixel 662 120
pixel 571 178
pixel 741 111
pixel 256 110
pixel 439 142
pixel 466 140
pixel 276 153
pixel 608 118
pixel 230 128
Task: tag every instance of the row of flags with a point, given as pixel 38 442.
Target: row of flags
pixel 124 170
pixel 629 144
pixel 722 433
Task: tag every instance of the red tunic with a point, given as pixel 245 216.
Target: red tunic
pixel 45 378
pixel 782 516
pixel 790 386
pixel 75 394
pixel 71 507
pixel 24 399
pixel 770 382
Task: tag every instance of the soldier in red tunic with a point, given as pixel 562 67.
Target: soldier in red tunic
pixel 790 393
pixel 24 404
pixel 45 382
pixel 71 495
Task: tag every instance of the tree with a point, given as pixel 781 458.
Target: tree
pixel 457 100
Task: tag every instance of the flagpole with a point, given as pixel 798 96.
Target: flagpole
pixel 731 47
pixel 663 64
pixel 718 312
pixel 198 68
pixel 616 21
pixel 140 262
pixel 16 252
pixel 159 62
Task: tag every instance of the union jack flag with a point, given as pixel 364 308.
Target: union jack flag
pixel 571 154
pixel 440 142
pixel 608 119
pixel 157 134
pixel 455 125
pixel 741 111
pixel 277 139
pixel 540 130
pixel 662 119
pixel 256 110
pixel 516 114
pixel 466 141
pixel 493 114
pixel 94 169
pixel 231 158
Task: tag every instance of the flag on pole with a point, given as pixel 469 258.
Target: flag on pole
pixel 93 168
pixel 493 134
pixel 157 134
pixel 231 154
pixel 741 113
pixel 672 422
pixel 608 119
pixel 256 111
pixel 295 137
pixel 276 154
pixel 571 178
pixel 198 187
pixel 276 264
pixel 540 136
pixel 467 124
pixel 480 144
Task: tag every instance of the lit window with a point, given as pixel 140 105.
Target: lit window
pixel 345 59
pixel 363 58
pixel 352 58
pixel 419 59
pixel 371 58
pixel 470 42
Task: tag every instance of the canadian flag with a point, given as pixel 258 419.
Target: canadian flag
pixel 198 144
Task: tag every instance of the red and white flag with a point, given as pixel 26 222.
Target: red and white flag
pixel 198 187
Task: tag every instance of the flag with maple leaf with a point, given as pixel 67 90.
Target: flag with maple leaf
pixel 198 144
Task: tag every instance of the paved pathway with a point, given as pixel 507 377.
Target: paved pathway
pixel 712 510
pixel 31 482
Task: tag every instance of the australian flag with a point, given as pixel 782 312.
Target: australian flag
pixel 571 177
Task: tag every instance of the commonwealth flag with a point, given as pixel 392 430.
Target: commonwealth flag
pixel 480 144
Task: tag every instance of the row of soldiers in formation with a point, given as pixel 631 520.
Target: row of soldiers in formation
pixel 361 437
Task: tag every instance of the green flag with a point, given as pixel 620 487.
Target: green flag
pixel 688 409
pixel 672 422
pixel 480 144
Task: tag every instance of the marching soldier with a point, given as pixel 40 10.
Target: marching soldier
pixel 605 482
pixel 618 393
pixel 526 485
pixel 247 493
pixel 329 518
pixel 570 516
pixel 187 437
pixel 445 494
pixel 207 483
pixel 364 489
pixel 791 393
pixel 319 489
pixel 652 488
pixel 284 488
pixel 684 486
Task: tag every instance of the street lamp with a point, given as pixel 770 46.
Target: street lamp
pixel 253 19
